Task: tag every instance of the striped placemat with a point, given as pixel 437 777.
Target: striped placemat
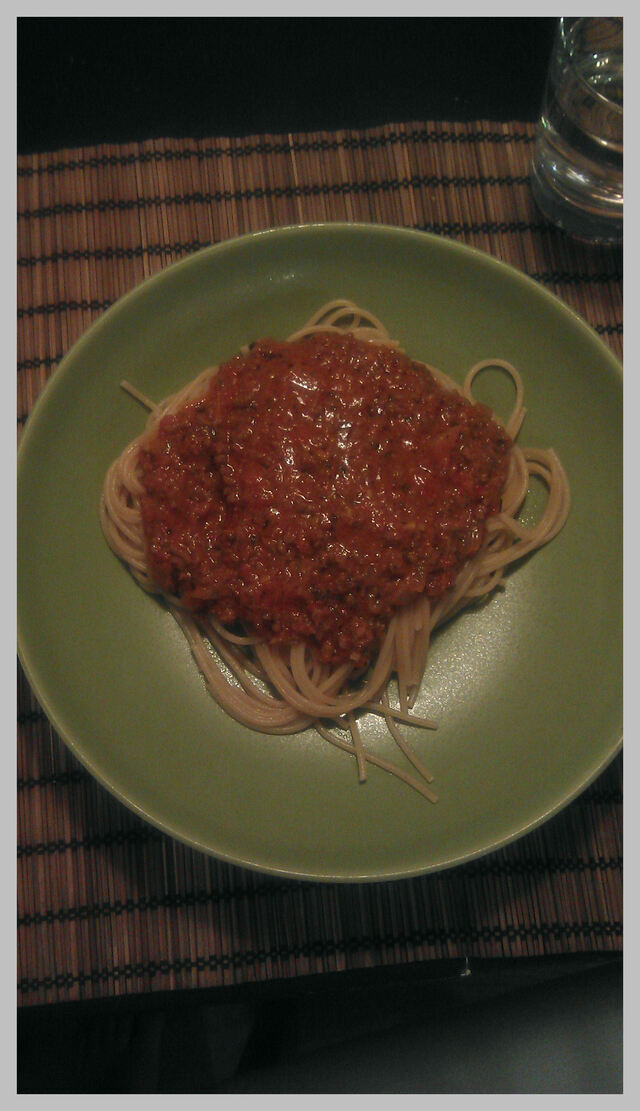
pixel 109 906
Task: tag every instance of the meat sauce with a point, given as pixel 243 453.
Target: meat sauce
pixel 319 486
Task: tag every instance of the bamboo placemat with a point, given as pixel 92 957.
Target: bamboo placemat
pixel 109 906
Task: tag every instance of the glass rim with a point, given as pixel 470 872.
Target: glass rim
pixel 617 108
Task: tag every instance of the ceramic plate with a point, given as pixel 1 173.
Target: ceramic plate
pixel 527 689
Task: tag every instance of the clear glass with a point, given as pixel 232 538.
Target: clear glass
pixel 576 174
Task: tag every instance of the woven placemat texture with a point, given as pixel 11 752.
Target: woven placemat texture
pixel 108 905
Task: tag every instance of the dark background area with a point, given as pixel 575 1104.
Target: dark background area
pixel 535 1026
pixel 83 81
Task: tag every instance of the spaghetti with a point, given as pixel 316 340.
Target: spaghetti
pixel 275 677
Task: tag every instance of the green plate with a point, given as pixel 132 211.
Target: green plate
pixel 527 689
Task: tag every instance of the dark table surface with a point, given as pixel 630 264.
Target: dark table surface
pixel 87 81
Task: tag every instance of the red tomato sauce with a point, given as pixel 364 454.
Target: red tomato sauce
pixel 317 487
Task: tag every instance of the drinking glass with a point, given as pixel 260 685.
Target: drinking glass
pixel 576 174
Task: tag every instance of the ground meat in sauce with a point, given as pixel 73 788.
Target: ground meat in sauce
pixel 317 487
